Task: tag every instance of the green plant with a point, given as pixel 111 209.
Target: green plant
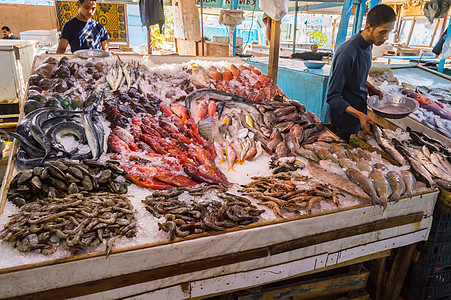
pixel 318 37
pixel 158 39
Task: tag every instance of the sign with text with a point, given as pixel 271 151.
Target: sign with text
pixel 227 4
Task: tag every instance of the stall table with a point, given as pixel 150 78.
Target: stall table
pixel 213 263
pixel 418 76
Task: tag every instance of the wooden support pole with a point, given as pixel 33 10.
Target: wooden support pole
pixel 445 19
pixel 398 272
pixel 411 30
pixel 274 48
pixel 435 31
pixel 149 40
pixel 377 270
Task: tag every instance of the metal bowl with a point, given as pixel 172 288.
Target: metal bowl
pixel 314 64
pixel 91 53
pixel 392 107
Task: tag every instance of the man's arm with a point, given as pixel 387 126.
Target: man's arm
pixel 372 90
pixel 341 68
pixel 339 77
pixel 62 45
pixel 365 121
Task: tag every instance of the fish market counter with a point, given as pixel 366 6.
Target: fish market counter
pixel 90 233
pixel 436 86
pixel 210 264
pixel 308 86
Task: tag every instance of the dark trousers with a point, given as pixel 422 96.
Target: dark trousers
pixel 345 133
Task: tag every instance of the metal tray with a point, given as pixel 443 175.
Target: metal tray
pixel 91 53
pixel 392 107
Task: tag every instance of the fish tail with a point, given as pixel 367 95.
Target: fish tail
pixel 394 198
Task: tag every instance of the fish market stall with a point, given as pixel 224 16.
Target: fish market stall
pixel 176 178
pixel 432 89
pixel 309 86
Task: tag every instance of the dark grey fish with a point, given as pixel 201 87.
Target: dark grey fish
pixel 212 94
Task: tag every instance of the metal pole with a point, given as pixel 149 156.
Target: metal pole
pixel 441 64
pixel 344 22
pixel 358 16
pixel 202 41
pixel 234 6
pixel 373 3
pixel 295 26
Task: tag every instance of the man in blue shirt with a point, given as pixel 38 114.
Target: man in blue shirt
pixel 348 86
pixel 82 32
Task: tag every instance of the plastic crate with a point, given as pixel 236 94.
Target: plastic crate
pixel 441 227
pixel 432 256
pixel 434 287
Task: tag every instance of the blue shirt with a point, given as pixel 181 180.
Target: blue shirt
pixel 347 83
pixel 84 35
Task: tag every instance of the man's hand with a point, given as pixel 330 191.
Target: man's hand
pixel 374 91
pixel 365 121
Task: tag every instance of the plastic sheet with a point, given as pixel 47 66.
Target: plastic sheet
pixel 275 9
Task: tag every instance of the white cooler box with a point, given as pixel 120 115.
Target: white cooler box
pixel 16 60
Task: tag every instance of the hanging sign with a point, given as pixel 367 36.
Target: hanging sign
pixel 227 4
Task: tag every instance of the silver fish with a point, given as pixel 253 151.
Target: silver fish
pixel 364 183
pixel 381 185
pixel 337 181
pixel 274 140
pixel 380 166
pixel 386 145
pixel 91 137
pixel 347 163
pixel 397 184
pixel 332 167
pixel 410 182
pixel 434 170
pixel 363 165
pixel 307 154
pixel 292 141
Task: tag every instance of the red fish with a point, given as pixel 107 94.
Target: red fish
pixel 264 79
pixel 201 176
pixel 255 70
pixel 153 143
pixel 201 110
pixel 180 110
pixel 227 75
pixel 165 109
pixel 214 74
pixel 235 71
pixel 116 144
pixel 166 176
pixel 127 137
pixel 146 129
pixel 428 104
pixel 148 182
pixel 212 108
pixel 135 128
